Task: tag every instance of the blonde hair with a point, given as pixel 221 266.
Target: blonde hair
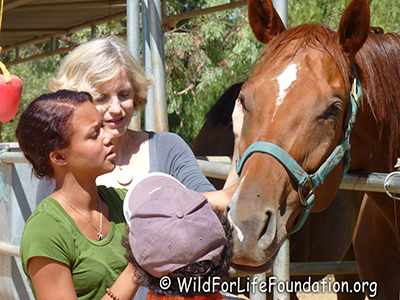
pixel 97 61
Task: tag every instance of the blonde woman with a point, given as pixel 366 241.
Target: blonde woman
pixel 106 69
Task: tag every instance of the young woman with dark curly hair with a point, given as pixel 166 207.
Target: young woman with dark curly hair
pixel 71 244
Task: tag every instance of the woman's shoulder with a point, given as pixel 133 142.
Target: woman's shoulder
pixel 162 134
pixel 169 138
pixel 48 208
pixel 48 216
pixel 48 225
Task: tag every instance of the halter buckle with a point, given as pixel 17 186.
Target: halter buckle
pixel 304 199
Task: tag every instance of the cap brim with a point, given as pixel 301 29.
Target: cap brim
pixel 137 194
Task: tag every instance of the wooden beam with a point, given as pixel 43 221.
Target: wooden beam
pixel 46 54
pixel 66 31
pixel 168 22
pixel 69 5
pixel 14 4
pixel 39 56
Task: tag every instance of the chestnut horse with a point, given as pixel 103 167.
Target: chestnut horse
pixel 325 236
pixel 294 147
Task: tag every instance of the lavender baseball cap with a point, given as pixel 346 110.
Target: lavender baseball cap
pixel 170 225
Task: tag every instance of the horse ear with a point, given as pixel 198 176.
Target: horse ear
pixel 354 28
pixel 264 20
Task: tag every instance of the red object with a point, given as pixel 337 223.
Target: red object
pixel 10 97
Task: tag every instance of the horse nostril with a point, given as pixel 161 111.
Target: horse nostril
pixel 266 224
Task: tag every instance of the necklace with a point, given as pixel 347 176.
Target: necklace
pixel 99 234
pixel 124 177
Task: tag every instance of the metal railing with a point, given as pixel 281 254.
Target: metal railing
pixel 10 250
pixel 219 166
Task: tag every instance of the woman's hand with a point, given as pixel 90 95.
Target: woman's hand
pixel 237 124
pixel 237 119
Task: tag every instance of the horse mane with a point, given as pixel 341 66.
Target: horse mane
pixel 221 112
pixel 379 69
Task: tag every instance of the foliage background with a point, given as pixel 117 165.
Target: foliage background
pixel 203 56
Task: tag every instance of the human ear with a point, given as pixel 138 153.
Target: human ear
pixel 57 157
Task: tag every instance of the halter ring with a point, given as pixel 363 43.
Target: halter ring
pixel 386 185
pixel 304 199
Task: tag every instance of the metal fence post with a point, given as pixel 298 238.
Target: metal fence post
pixel 133 42
pixel 149 111
pixel 157 59
pixel 255 291
pixel 281 270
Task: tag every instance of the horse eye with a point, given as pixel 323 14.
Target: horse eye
pixel 332 112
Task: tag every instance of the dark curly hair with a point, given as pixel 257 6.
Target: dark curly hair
pixel 45 127
pixel 203 270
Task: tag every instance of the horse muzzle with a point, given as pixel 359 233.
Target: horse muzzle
pixel 256 236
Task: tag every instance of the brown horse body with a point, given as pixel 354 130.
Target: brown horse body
pixel 297 99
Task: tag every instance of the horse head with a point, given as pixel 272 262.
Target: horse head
pixel 298 115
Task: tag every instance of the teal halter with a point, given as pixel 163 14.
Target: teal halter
pixel 297 172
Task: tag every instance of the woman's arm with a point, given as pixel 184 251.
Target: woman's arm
pixel 124 288
pixel 174 157
pixel 220 198
pixel 51 279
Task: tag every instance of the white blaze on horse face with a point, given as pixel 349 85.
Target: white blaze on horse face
pixel 237 229
pixel 239 232
pixel 285 80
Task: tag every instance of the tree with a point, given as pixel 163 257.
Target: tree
pixel 203 57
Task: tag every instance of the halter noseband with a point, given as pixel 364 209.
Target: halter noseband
pixel 297 172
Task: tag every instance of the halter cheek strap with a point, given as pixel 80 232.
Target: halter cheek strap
pixel 297 172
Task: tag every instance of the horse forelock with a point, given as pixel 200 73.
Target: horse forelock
pixel 379 65
pixel 312 36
